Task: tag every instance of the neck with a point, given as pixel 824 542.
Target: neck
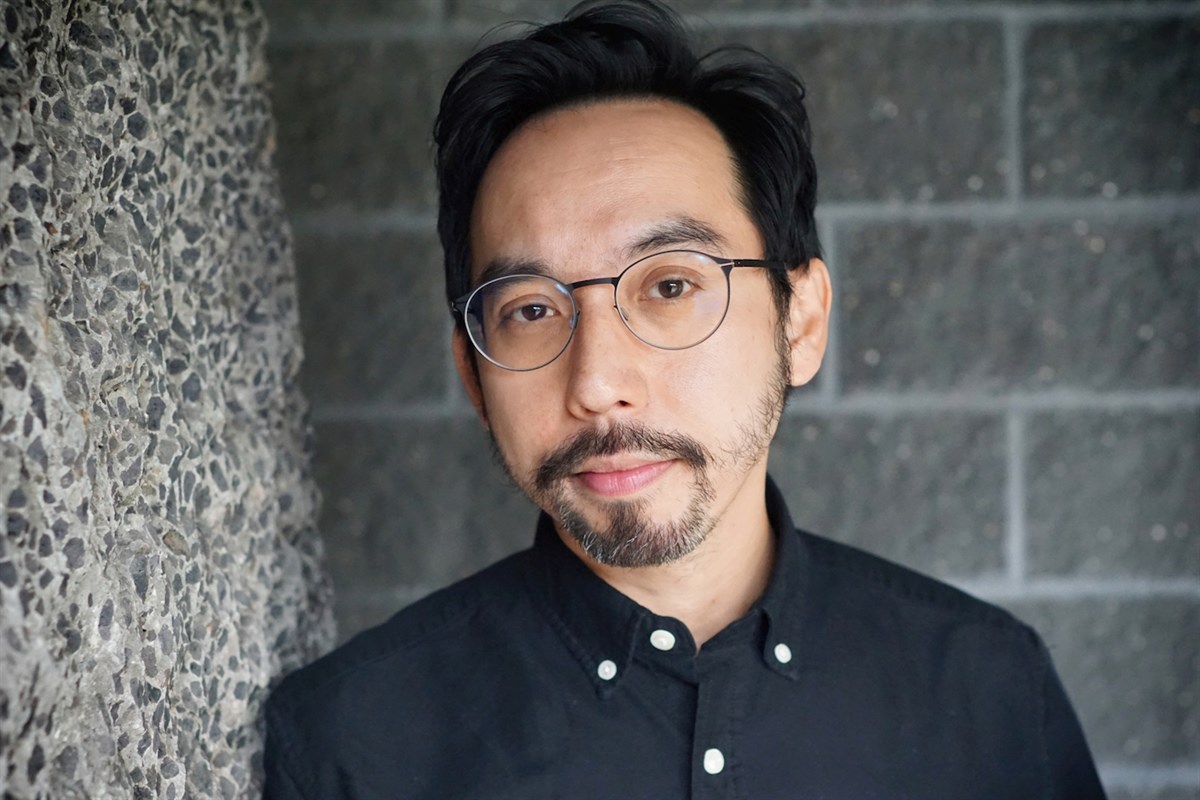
pixel 718 582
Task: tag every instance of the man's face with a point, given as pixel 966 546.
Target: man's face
pixel 637 453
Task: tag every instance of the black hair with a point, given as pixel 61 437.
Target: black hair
pixel 630 48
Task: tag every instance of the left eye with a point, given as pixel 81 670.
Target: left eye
pixel 669 288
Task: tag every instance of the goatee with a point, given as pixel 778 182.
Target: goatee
pixel 630 538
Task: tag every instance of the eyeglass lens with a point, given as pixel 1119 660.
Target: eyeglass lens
pixel 670 300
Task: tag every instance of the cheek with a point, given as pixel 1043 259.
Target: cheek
pixel 735 364
pixel 519 415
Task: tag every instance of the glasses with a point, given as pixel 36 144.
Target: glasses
pixel 671 300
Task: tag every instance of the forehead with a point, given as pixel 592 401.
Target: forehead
pixel 584 181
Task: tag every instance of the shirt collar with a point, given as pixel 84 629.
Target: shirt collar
pixel 603 628
pixel 598 624
pixel 783 600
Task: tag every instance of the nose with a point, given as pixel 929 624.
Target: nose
pixel 605 363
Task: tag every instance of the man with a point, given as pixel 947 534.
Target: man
pixel 632 264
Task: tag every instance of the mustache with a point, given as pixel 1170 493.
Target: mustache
pixel 565 460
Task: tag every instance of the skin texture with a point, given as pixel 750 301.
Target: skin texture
pixel 570 193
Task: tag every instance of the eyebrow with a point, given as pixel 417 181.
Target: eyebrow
pixel 502 266
pixel 676 231
pixel 672 232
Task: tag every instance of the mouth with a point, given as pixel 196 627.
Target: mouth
pixel 618 479
pixel 619 461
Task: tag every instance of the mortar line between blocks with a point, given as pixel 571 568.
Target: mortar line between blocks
pixel 1014 91
pixel 342 222
pixel 391 597
pixel 1008 210
pixel 950 12
pixel 452 395
pixel 830 382
pixel 1016 542
pixel 384 412
pixel 882 405
pixel 446 27
pixel 998 588
pixel 1136 776
pixel 889 404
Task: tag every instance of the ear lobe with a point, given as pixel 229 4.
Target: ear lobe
pixel 808 320
pixel 468 373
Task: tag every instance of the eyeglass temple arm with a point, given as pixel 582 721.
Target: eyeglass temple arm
pixel 756 262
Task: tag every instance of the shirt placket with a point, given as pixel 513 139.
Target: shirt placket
pixel 716 760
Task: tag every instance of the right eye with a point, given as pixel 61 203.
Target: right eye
pixel 529 312
pixel 524 304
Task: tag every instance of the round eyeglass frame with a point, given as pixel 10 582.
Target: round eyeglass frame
pixel 726 265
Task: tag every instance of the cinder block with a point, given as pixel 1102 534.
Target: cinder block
pixel 356 122
pixel 880 133
pixel 500 11
pixel 376 327
pixel 1130 665
pixel 1114 493
pixel 927 490
pixel 1110 107
pixel 988 307
pixel 288 14
pixel 494 11
pixel 1183 792
pixel 356 613
pixel 414 503
pixel 702 8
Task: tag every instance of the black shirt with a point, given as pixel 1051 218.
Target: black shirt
pixel 851 678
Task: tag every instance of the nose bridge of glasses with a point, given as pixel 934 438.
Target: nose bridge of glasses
pixel 612 301
pixel 594 282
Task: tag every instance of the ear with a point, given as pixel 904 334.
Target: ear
pixel 468 372
pixel 808 320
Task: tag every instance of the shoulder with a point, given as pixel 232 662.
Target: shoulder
pixel 447 626
pixel 868 587
pixel 931 645
pixel 407 686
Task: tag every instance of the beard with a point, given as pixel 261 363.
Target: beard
pixel 629 537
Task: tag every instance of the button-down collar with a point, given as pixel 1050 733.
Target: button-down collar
pixel 604 629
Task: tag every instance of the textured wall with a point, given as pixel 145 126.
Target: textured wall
pixel 1010 199
pixel 159 563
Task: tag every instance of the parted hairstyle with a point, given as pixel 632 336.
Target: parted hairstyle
pixel 630 49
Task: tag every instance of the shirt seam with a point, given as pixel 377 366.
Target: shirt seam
pixel 1043 735
pixel 291 779
pixel 458 618
pixel 939 596
pixel 575 647
pixel 288 752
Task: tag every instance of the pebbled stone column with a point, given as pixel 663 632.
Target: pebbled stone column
pixel 159 564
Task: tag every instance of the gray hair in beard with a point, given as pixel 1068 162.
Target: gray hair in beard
pixel 630 539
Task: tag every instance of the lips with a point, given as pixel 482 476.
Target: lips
pixel 619 460
pixel 615 482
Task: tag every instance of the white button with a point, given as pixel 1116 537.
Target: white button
pixel 783 653
pixel 714 761
pixel 663 640
pixel 607 670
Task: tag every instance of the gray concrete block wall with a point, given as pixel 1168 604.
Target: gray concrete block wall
pixel 1010 200
pixel 159 565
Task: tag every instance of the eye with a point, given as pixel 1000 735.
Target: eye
pixel 672 284
pixel 531 312
pixel 528 311
pixel 670 288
